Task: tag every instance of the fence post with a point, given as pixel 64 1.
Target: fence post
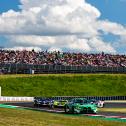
pixel 16 68
pixel 0 91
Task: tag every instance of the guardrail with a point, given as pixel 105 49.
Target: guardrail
pixel 105 98
pixel 16 99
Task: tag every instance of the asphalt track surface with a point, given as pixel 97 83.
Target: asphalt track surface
pixel 61 110
pixel 107 104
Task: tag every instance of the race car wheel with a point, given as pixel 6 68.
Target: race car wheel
pixel 36 105
pixel 52 106
pixel 73 111
pixel 89 110
pixel 66 108
pixel 100 105
pixel 84 110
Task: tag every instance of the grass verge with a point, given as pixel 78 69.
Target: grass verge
pixel 13 117
pixel 63 85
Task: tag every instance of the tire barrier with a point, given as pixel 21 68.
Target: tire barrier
pixel 16 99
pixel 103 98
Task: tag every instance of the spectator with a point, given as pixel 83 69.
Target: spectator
pixel 65 58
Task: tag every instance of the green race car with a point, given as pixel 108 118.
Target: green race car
pixel 80 105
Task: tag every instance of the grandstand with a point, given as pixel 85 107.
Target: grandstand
pixel 56 62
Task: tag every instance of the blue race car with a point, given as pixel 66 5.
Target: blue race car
pixel 38 102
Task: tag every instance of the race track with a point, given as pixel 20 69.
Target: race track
pixel 30 105
pixel 115 105
pixel 107 104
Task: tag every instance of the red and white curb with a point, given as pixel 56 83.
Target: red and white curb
pixel 95 115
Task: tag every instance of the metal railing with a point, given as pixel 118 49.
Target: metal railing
pixel 29 68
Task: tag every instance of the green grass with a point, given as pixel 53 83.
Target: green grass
pixel 13 117
pixel 64 85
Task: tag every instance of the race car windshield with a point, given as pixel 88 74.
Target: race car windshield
pixel 79 101
pixel 93 100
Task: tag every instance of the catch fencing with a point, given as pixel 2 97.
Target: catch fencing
pixel 39 69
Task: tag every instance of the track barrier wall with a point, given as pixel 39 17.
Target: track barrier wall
pixel 38 69
pixel 31 99
pixel 16 99
pixel 104 98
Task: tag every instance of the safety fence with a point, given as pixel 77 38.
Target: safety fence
pixel 16 99
pixel 105 98
pixel 38 69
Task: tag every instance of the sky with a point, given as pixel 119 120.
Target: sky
pixel 65 25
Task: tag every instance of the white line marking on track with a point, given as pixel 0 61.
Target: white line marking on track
pixel 119 117
pixel 93 115
pixel 122 118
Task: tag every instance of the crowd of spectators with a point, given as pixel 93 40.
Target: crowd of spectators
pixel 64 58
